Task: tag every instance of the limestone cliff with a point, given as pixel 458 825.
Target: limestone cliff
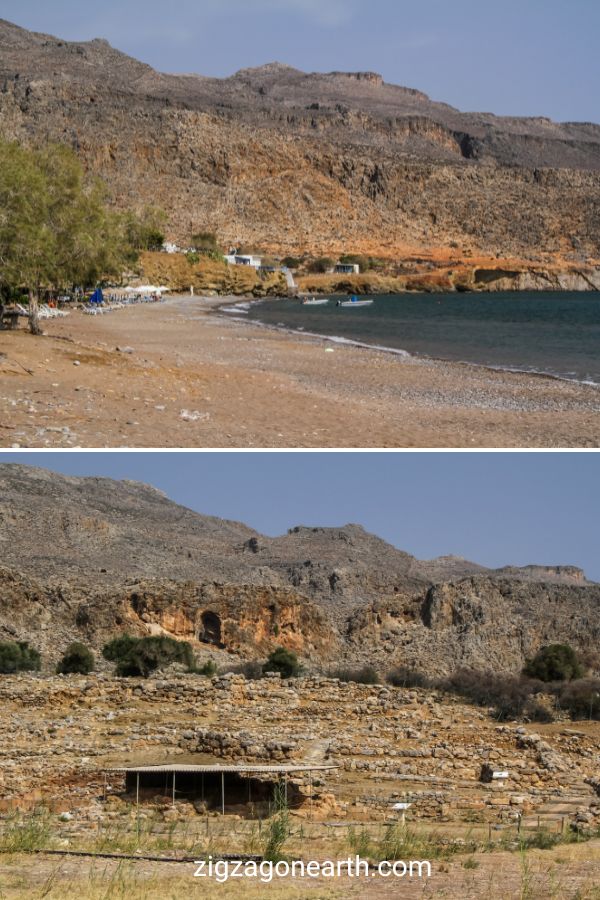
pixel 89 558
pixel 318 163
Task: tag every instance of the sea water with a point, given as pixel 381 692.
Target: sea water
pixel 552 333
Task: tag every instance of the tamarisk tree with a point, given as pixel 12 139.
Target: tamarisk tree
pixel 56 229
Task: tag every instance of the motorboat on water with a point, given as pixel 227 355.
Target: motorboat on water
pixel 354 302
pixel 313 301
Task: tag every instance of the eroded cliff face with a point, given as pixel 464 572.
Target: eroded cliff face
pixel 248 620
pixel 295 162
pixel 478 622
pixel 242 620
pixel 90 558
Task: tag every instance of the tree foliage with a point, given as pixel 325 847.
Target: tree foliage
pixel 320 265
pixel 18 656
pixel 206 243
pixel 283 661
pixel 145 231
pixel 78 659
pixel 56 229
pixel 141 656
pixel 556 662
pixel 366 263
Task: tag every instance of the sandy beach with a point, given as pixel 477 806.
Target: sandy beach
pixel 180 374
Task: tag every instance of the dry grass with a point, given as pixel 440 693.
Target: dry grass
pixel 565 873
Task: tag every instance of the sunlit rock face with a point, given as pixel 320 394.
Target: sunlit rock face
pixel 89 558
pixel 317 163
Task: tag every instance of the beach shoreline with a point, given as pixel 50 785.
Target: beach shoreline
pixel 229 308
pixel 186 374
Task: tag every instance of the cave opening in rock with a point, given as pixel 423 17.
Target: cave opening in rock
pixel 210 630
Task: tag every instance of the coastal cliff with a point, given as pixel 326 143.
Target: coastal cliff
pixel 318 164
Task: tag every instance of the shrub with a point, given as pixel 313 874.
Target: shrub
pixel 119 647
pixel 365 675
pixel 154 239
pixel 509 695
pixel 557 662
pixel 205 242
pixel 10 657
pixel 320 265
pixel 581 698
pixel 537 712
pixel 283 661
pixel 279 829
pixel 209 669
pixel 78 659
pixel 18 656
pixel 141 656
pixel 291 262
pixel 252 670
pixel 407 678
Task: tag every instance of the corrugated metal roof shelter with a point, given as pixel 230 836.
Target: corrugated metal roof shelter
pixel 242 768
pixel 208 782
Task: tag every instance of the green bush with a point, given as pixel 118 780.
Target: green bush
pixel 279 828
pixel 283 661
pixel 320 265
pixel 291 262
pixel 119 647
pixel 18 656
pixel 557 662
pixel 209 669
pixel 141 656
pixel 365 675
pixel 78 659
pixel 206 244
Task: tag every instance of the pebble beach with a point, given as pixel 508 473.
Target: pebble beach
pixel 183 374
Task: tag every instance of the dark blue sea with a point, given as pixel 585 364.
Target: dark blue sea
pixel 552 333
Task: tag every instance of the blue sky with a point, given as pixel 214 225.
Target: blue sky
pixel 519 57
pixel 492 508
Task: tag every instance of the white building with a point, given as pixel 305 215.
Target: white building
pixel 240 259
pixel 347 269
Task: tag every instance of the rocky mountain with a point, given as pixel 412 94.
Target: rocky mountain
pixel 87 558
pixel 294 161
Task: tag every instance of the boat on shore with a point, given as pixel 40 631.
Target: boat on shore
pixel 354 302
pixel 313 301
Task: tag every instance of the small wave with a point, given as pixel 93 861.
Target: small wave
pixel 353 343
pixel 405 354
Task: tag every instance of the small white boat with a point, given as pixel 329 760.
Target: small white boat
pixel 314 302
pixel 355 303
